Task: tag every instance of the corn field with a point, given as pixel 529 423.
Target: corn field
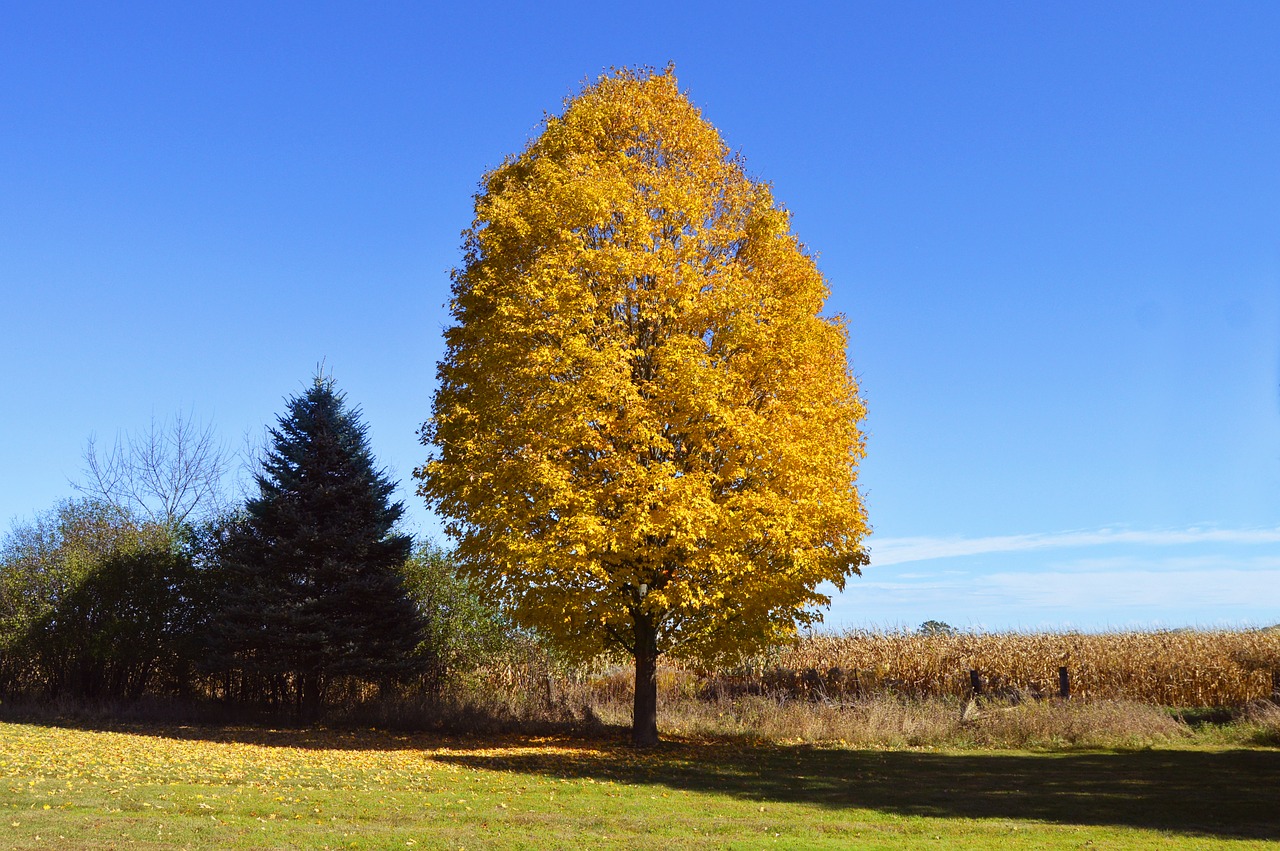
pixel 1186 668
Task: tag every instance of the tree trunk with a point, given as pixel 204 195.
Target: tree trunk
pixel 309 698
pixel 644 715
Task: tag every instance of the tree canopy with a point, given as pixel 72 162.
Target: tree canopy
pixel 646 434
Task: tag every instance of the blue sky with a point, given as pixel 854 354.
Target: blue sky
pixel 1055 234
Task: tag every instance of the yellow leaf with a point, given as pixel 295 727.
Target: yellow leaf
pixel 646 433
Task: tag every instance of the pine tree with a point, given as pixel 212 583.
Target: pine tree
pixel 311 587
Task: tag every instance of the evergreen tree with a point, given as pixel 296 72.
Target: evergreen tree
pixel 311 586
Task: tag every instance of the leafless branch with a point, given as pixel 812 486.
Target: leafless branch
pixel 169 473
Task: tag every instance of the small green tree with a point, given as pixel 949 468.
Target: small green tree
pixel 460 631
pixel 90 602
pixel 309 581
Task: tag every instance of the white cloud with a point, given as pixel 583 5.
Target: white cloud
pixel 1223 587
pixel 888 551
pixel 1199 564
pixel 1128 590
pixel 1114 577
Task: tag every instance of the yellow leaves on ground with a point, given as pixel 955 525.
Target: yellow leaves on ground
pixel 320 760
pixel 223 787
pixel 251 780
pixel 60 760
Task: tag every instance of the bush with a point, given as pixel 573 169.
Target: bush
pixel 462 633
pixel 90 601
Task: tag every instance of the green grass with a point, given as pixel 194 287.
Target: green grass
pixel 250 788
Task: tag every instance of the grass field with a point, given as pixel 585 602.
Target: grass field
pixel 211 788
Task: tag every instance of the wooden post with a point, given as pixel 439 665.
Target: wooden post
pixel 1064 683
pixel 1275 686
pixel 975 682
pixel 836 677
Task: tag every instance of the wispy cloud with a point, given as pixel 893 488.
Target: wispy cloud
pixel 888 551
pixel 1141 589
pixel 1222 588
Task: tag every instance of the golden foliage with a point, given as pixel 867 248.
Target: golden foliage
pixel 642 414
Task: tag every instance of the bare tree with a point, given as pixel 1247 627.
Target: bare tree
pixel 168 473
pixel 254 446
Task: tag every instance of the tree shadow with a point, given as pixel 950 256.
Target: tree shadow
pixel 180 721
pixel 1230 794
pixel 1227 793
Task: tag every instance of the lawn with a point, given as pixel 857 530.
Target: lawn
pixel 194 787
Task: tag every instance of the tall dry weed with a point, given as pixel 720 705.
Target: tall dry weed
pixel 1263 722
pixel 867 688
pixel 1210 668
pixel 888 721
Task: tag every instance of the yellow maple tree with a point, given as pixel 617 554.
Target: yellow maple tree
pixel 646 434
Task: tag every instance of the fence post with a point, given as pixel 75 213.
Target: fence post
pixel 1064 683
pixel 975 682
pixel 836 676
pixel 1275 686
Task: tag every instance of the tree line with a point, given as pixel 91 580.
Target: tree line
pixel 150 583
pixel 644 440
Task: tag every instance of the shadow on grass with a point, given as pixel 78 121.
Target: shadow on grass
pixel 1230 794
pixel 364 728
pixel 1221 793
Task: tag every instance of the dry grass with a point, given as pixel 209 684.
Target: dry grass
pixel 895 689
pixel 1262 721
pixel 1191 668
pixel 862 689
pixel 889 721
